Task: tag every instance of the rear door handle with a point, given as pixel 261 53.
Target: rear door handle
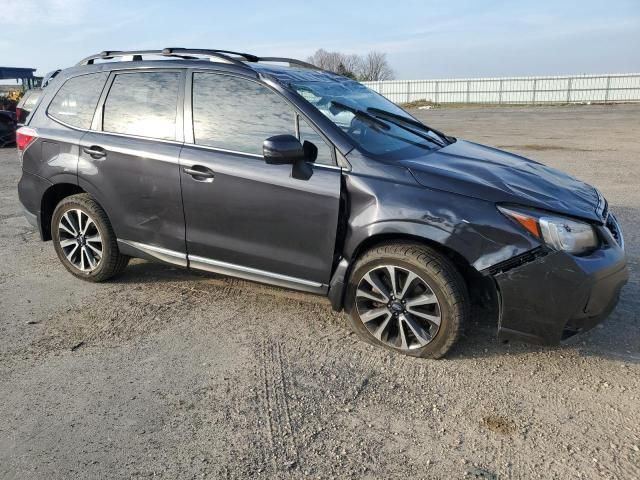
pixel 200 173
pixel 95 152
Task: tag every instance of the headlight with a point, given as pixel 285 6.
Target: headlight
pixel 559 233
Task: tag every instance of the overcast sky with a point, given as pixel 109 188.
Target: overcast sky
pixel 423 39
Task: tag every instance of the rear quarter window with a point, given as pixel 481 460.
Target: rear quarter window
pixel 31 100
pixel 75 102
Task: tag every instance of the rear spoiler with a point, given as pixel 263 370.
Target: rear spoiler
pixel 49 76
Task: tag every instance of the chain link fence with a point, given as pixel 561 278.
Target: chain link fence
pixel 607 88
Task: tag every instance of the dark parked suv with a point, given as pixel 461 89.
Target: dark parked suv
pixel 272 170
pixel 7 128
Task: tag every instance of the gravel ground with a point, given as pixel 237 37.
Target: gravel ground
pixel 170 374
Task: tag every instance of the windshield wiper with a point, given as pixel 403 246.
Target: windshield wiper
pixel 401 119
pixel 361 113
pixel 377 122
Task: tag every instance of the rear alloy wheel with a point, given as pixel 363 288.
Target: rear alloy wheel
pixel 84 240
pixel 80 240
pixel 408 298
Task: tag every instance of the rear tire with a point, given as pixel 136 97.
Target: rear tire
pixel 84 240
pixel 408 298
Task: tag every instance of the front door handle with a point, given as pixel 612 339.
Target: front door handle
pixel 200 173
pixel 95 152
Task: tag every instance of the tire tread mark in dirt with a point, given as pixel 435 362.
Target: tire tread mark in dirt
pixel 285 377
pixel 284 451
pixel 265 404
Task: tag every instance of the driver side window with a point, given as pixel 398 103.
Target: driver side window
pixel 237 114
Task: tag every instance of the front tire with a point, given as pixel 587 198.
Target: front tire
pixel 408 298
pixel 84 240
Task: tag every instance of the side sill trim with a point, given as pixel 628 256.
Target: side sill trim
pixel 162 254
pixel 256 275
pixel 224 268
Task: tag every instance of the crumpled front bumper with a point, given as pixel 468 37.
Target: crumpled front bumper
pixel 552 295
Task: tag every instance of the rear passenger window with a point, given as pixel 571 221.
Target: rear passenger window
pixel 143 104
pixel 75 102
pixel 235 114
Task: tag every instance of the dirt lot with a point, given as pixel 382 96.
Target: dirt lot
pixel 170 374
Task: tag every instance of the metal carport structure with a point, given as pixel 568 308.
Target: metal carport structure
pixel 24 74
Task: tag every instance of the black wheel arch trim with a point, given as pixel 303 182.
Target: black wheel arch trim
pixel 393 232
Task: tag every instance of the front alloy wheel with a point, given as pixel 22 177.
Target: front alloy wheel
pixel 398 307
pixel 407 297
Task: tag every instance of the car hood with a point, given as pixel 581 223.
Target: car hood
pixel 474 170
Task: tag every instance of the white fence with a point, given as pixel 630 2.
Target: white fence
pixel 515 90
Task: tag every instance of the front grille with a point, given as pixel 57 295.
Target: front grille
pixel 614 229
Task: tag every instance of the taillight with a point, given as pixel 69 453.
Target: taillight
pixel 24 137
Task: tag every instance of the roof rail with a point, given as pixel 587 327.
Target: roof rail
pixel 290 61
pixel 109 54
pixel 225 55
pixel 205 51
pixel 166 52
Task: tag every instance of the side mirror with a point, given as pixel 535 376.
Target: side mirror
pixel 287 149
pixel 282 150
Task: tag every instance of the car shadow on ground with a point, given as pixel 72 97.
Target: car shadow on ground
pixel 141 271
pixel 617 338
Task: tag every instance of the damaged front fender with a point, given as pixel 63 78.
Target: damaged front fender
pixel 394 204
pixel 390 204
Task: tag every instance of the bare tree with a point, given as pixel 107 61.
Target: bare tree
pixel 327 60
pixel 374 66
pixel 351 64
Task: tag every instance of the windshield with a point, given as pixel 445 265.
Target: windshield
pixel 359 112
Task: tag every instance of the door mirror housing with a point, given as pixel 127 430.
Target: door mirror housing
pixel 283 150
pixel 287 150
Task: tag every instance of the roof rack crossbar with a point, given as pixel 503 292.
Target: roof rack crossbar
pixel 188 53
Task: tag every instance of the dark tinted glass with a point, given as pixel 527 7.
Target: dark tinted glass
pixel 7 124
pixel 75 102
pixel 324 150
pixel 143 104
pixel 232 113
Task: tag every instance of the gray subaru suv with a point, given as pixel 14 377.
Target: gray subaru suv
pixel 273 170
